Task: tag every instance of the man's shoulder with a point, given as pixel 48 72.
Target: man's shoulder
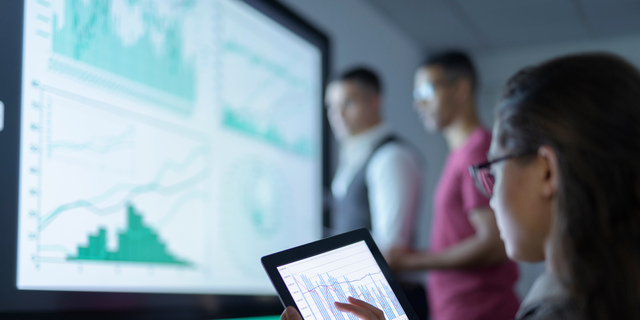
pixel 395 157
pixel 477 147
pixel 479 139
pixel 397 149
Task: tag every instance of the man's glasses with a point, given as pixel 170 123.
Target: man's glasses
pixel 424 92
pixel 482 176
pixel 427 91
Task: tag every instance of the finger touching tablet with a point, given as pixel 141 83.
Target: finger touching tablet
pixel 314 276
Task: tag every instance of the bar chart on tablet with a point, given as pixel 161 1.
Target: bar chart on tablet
pixel 317 282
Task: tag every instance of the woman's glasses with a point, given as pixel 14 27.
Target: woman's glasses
pixel 482 176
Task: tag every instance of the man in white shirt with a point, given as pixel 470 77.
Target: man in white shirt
pixel 378 181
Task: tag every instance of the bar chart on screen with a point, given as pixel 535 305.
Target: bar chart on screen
pixel 149 139
pixel 316 283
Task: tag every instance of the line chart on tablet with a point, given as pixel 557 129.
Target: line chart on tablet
pixel 316 283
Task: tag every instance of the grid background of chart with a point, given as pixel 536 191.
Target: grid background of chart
pixel 144 146
pixel 317 282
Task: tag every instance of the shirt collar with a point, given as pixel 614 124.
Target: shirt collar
pixel 362 144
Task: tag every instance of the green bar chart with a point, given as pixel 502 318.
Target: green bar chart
pixel 139 243
pixel 166 145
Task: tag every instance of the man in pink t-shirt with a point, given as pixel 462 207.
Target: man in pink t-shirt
pixel 470 276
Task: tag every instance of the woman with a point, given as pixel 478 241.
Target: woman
pixel 566 166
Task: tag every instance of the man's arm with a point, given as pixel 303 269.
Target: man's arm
pixel 394 179
pixel 485 248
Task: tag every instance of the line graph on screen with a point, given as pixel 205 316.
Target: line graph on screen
pixel 318 282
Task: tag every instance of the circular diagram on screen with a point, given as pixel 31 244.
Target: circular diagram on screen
pixel 253 208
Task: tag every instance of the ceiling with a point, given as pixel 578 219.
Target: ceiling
pixel 496 24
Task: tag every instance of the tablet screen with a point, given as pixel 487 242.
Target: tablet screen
pixel 316 282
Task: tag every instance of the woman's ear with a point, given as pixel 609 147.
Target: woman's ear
pixel 551 174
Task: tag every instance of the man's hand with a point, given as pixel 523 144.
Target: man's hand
pixel 484 248
pixel 400 259
pixel 396 258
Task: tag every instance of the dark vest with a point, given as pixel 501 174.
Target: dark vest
pixel 353 211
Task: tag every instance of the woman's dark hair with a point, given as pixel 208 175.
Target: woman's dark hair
pixel 587 109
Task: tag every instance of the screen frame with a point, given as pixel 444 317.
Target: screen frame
pixel 275 260
pixel 77 304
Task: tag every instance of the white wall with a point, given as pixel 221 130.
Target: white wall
pixel 495 68
pixel 359 34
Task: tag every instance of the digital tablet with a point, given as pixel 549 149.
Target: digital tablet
pixel 313 276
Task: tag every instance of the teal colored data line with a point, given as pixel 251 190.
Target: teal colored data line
pixel 128 114
pixel 181 108
pixel 88 35
pixel 240 118
pixel 98 145
pixel 134 189
pixel 271 134
pixel 233 19
pixel 175 208
pixel 257 91
pixel 136 235
pixel 54 248
pixel 167 167
pixel 148 188
pixel 180 167
pixel 277 70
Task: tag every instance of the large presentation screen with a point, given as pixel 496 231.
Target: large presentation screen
pixel 165 146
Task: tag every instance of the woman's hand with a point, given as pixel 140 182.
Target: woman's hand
pixel 360 309
pixel 356 307
pixel 290 313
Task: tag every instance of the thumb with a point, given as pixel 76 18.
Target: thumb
pixel 290 313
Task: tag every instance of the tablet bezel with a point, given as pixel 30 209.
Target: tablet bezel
pixel 273 261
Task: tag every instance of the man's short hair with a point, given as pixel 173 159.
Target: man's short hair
pixel 365 77
pixel 456 64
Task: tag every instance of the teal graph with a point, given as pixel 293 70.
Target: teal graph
pixel 266 94
pixel 89 34
pixel 139 243
pixel 256 59
pixel 98 145
pixel 123 192
pixel 267 112
pixel 250 126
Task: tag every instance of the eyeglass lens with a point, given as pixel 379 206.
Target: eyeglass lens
pixel 424 92
pixel 486 180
